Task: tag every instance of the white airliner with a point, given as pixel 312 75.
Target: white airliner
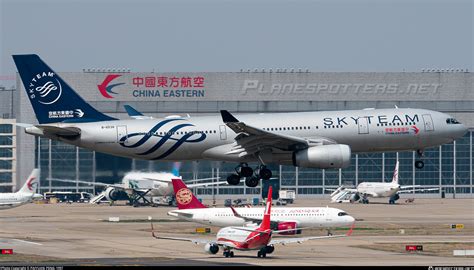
pixel 250 238
pixel 137 186
pixel 25 195
pixel 323 139
pixel 283 218
pixel 375 190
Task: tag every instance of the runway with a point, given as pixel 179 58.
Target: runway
pixel 71 234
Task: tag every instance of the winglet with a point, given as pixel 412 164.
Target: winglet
pixel 349 233
pixel 131 111
pixel 236 214
pixel 227 117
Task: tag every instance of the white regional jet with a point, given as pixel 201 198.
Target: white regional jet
pixel 283 218
pixel 138 185
pixel 25 195
pixel 323 139
pixel 250 238
pixel 375 190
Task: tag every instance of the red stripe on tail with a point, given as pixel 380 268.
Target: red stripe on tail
pixel 185 198
pixel 266 217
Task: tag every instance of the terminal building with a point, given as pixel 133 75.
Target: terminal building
pixel 449 167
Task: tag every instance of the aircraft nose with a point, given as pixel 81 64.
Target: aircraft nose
pixel 350 219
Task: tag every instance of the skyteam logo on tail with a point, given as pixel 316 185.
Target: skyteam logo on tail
pixel 105 89
pixel 45 88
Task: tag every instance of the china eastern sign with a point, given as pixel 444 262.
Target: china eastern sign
pixel 153 87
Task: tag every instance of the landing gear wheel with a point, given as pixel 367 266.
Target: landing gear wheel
pixel 265 173
pixel 391 202
pixel 244 170
pixel 252 181
pixel 226 254
pixel 231 254
pixel 259 254
pixel 419 164
pixel 233 179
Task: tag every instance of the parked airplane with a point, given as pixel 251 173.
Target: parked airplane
pixel 376 190
pixel 322 139
pixel 283 218
pixel 137 186
pixel 25 195
pixel 250 238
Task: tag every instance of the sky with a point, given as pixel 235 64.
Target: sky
pixel 222 35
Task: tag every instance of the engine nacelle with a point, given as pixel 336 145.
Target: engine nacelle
pixel 288 226
pixel 395 197
pixel 354 197
pixel 113 194
pixel 323 157
pixel 211 248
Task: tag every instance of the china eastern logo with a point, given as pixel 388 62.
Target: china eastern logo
pixel 105 87
pixel 45 88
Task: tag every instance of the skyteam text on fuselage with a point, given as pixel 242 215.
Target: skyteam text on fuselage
pixel 323 139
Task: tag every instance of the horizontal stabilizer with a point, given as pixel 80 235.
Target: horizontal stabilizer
pixel 60 131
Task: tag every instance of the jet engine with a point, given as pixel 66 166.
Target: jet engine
pixel 288 226
pixel 112 194
pixel 323 156
pixel 394 197
pixel 354 197
pixel 211 248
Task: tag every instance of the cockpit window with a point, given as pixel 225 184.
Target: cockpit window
pixel 452 121
pixel 342 214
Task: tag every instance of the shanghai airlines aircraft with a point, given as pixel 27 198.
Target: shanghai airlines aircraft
pixel 25 195
pixel 375 190
pixel 250 238
pixel 283 218
pixel 322 139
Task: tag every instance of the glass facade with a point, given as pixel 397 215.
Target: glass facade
pixel 447 167
pixel 7 155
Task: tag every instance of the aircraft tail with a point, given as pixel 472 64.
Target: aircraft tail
pixel 31 185
pixel 53 100
pixel 265 225
pixel 395 174
pixel 185 198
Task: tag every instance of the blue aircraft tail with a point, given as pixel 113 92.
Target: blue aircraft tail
pixel 53 100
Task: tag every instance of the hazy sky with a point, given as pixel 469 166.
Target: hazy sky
pixel 332 35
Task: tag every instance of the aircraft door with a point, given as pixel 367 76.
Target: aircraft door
pixel 428 121
pixel 122 132
pixel 363 124
pixel 223 132
pixel 327 215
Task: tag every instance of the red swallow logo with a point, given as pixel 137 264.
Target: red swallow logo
pixel 417 130
pixel 30 184
pixel 106 89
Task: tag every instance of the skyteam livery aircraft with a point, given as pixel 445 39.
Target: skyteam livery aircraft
pixel 322 139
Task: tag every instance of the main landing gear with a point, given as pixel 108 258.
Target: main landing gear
pixel 252 177
pixel 228 253
pixel 419 164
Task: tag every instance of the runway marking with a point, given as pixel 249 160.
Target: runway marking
pixel 28 242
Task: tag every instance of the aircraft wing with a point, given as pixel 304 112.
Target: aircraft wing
pixel 195 241
pixel 86 182
pixel 251 139
pixel 417 190
pixel 300 240
pixel 405 187
pixel 207 184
